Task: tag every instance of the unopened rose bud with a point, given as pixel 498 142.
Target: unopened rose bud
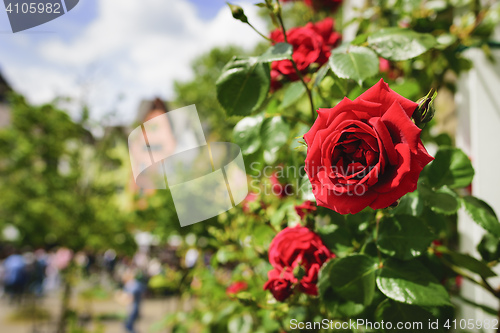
pixel 238 13
pixel 425 110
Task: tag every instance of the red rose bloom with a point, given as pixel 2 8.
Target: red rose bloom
pixel 321 4
pixel 365 152
pixel 280 283
pixel 236 288
pixel 305 208
pixel 293 247
pixel 311 44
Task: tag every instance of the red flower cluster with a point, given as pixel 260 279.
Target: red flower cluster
pixel 295 248
pixel 312 44
pixel 321 4
pixel 365 152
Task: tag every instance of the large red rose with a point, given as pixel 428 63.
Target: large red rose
pixel 311 44
pixel 294 247
pixel 365 152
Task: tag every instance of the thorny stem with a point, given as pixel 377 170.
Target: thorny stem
pixel 301 77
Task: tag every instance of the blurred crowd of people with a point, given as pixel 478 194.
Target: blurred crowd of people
pixel 25 273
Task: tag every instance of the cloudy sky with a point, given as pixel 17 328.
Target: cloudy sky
pixel 104 49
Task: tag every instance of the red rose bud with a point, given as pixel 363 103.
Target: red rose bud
pixel 366 152
pixel 280 283
pixel 425 110
pixel 236 287
pixel 437 243
pixel 238 13
pixel 305 208
pixel 298 253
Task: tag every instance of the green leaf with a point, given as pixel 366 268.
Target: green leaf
pixel 467 262
pixel 243 86
pixel 403 237
pixel 410 282
pixel 293 93
pixel 274 134
pixel 489 247
pixel 320 75
pixel 354 62
pixel 353 278
pixel 400 44
pixel 359 39
pixel 350 309
pixel 337 239
pixel 442 201
pixel 410 204
pixel 451 167
pixel 279 51
pixel 395 312
pixel 482 214
pixel 324 278
pixel 246 134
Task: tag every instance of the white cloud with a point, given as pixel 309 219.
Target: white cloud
pixel 137 48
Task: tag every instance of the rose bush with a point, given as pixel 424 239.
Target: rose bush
pixel 365 152
pixel 368 230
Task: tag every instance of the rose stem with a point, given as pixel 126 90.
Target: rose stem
pixel 309 94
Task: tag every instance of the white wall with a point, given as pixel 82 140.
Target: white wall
pixel 478 134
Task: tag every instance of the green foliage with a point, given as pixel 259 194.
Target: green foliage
pixel 395 312
pixel 243 86
pixel 451 167
pixel 353 278
pixel 280 51
pixel 403 237
pixel 482 214
pixel 354 62
pixel 48 194
pixel 410 282
pixel 400 44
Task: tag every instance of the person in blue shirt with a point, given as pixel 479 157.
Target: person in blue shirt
pixel 135 286
pixel 16 276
